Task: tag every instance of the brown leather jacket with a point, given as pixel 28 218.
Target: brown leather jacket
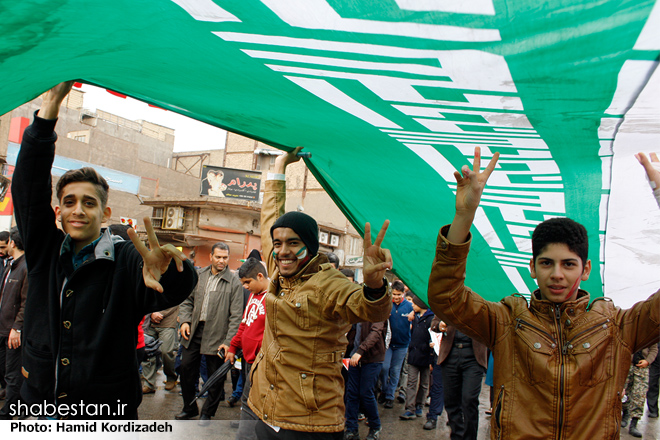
pixel 296 377
pixel 559 368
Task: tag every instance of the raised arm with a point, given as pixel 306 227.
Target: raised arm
pixel 652 168
pixel 470 185
pixel 52 100
pixel 274 203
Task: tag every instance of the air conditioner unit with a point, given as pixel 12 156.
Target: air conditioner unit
pixel 174 218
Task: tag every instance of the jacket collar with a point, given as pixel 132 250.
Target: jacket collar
pixel 312 268
pixel 547 308
pixel 104 248
pixel 224 275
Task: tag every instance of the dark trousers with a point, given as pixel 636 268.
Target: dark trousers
pixel 654 386
pixel 265 432
pixel 190 361
pixel 247 425
pixel 361 383
pixel 461 377
pixel 10 365
pixel 437 394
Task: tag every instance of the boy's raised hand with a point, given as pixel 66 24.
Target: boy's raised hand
pixel 470 184
pixel 377 260
pixel 652 168
pixel 156 259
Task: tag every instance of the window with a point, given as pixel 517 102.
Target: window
pixel 157 217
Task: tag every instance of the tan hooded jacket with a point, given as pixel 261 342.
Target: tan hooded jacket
pixel 296 377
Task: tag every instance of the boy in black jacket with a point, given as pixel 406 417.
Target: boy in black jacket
pixel 87 293
pixel 420 356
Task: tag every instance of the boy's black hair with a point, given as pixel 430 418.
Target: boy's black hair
pixel 349 273
pixel 398 285
pixel 15 236
pixel 333 258
pixel 251 268
pixel 120 230
pixel 561 230
pixel 4 236
pixel 86 174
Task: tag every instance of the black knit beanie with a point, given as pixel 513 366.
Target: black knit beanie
pixel 303 225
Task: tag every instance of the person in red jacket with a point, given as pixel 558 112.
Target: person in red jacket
pixel 254 277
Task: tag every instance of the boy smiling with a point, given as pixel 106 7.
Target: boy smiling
pixel 560 362
pixel 87 292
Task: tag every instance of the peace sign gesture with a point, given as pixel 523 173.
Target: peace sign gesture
pixel 156 259
pixel 470 185
pixel 469 188
pixel 376 259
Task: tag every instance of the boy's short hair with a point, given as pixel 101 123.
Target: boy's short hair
pixel 398 285
pixel 349 273
pixel 4 236
pixel 561 230
pixel 333 258
pixel 86 174
pixel 251 268
pixel 15 236
pixel 120 230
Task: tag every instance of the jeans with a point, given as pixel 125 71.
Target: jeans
pixel 437 394
pixel 461 377
pixel 389 374
pixel 361 382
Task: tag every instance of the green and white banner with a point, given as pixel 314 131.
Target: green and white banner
pixel 390 96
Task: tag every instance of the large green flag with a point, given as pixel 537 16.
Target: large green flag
pixel 390 96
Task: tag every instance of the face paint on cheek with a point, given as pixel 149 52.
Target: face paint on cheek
pixel 302 253
pixel 275 255
pixel 573 289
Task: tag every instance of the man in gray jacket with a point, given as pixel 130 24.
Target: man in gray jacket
pixel 209 319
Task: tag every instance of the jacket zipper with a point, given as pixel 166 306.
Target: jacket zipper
pixel 522 322
pixel 498 413
pixel 561 372
pixel 566 346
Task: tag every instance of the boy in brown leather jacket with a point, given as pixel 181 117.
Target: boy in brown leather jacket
pixel 560 362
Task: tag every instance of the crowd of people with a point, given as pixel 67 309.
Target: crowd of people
pixel 310 352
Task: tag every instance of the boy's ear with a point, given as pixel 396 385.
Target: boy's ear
pixel 587 271
pixel 532 270
pixel 106 213
pixel 58 213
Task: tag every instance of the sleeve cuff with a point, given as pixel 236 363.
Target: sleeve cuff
pixel 376 294
pixel 42 128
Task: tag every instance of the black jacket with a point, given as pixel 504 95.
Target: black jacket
pixel 83 350
pixel 420 353
pixel 14 293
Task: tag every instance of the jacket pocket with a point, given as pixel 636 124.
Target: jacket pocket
pixel 535 349
pixel 592 351
pixel 307 390
pixel 301 305
pixel 38 368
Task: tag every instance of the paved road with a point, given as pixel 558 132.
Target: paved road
pixel 163 405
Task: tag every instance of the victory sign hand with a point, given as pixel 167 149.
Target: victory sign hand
pixel 376 259
pixel 156 259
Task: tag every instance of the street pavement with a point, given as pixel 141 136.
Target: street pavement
pixel 164 405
